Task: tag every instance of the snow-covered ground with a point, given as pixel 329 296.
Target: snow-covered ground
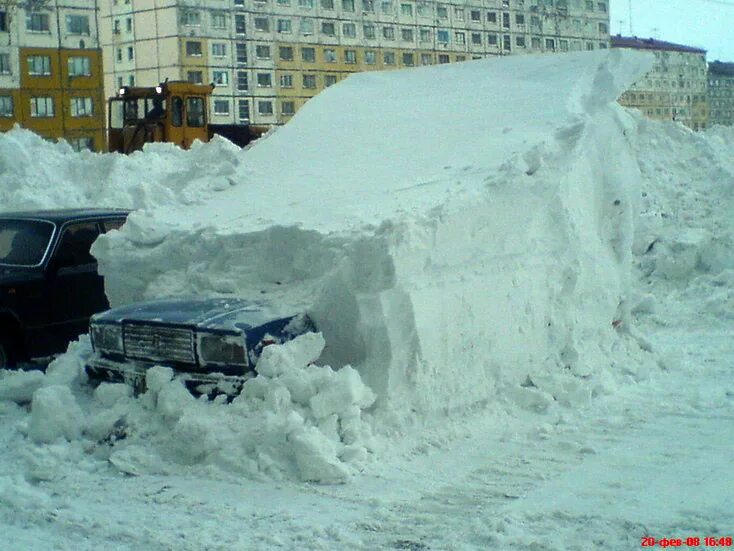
pixel 536 300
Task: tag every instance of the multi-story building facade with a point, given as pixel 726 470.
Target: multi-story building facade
pixel 268 57
pixel 675 88
pixel 51 71
pixel 721 93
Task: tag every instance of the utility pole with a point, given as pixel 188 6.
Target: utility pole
pixel 630 17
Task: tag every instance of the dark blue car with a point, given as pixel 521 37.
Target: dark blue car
pixel 212 343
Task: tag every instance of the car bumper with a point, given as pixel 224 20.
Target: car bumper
pixel 133 374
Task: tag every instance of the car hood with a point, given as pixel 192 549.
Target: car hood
pixel 230 314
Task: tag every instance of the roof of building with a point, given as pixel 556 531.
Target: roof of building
pixel 721 68
pixel 637 43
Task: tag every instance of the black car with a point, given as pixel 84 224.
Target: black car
pixel 49 285
pixel 212 343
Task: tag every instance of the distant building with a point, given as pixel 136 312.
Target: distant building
pixel 721 93
pixel 268 57
pixel 675 89
pixel 51 71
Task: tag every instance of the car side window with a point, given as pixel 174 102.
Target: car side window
pixel 75 243
pixel 114 224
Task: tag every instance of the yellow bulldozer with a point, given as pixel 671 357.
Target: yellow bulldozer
pixel 175 112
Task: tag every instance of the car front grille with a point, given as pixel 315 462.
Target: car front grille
pixel 159 343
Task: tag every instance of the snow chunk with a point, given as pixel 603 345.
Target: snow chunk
pixel 55 414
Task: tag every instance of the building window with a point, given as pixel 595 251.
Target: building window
pixel 563 45
pixel 476 16
pixel 425 35
pixel 195 77
pixel 519 19
pixel 42 107
pixel 535 43
pixel 78 24
pixel 370 57
pixel 81 107
pixel 492 39
pixel 459 14
pixel 408 59
pixel 426 59
pixel 348 5
pixel 221 107
pixel 219 49
pixel 285 53
pixel 350 56
pixel 306 26
pixel 442 12
pixel 309 81
pixel 386 6
pixel 476 39
pixel 191 18
pixel 442 36
pixel 264 80
pixel 242 84
pixel 308 54
pixel 284 25
pixel 262 52
pixel 368 6
pixel 388 58
pixel 241 52
pixel 327 28
pixel 505 20
pixel 406 10
pixel 220 78
pixel 287 108
pixel 265 107
pixel 239 24
pixel 406 35
pixel 193 48
pixel 388 33
pixel 443 58
pixel 131 53
pixel 327 4
pixel 219 20
pixel 79 66
pixel 349 30
pixel 286 80
pixel 262 24
pixel 506 43
pixel 329 80
pixel 5 64
pixel 3 21
pixel 369 31
pixel 424 9
pixel 129 24
pixel 118 54
pixel 330 55
pixel 460 37
pixel 550 44
pixel 306 4
pixel 39 65
pixel 520 41
pixel 243 110
pixel 6 106
pixel 82 144
pixel 602 7
pixel 37 22
pixel 603 28
pixel 492 17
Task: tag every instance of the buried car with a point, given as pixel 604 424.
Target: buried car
pixel 212 344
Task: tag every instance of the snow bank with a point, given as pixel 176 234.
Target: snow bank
pixel 447 251
pixel 296 420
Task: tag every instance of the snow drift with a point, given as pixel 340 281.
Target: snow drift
pixel 445 251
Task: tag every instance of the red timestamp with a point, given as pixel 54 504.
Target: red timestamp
pixel 691 541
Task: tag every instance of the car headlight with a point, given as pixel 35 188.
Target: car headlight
pixel 222 349
pixel 106 337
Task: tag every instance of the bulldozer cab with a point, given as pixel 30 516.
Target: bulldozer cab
pixel 174 112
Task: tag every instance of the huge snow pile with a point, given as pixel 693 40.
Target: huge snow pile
pixel 447 250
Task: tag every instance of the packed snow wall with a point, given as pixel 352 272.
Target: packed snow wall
pixel 447 249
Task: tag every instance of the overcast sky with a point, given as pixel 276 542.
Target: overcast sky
pixel 707 24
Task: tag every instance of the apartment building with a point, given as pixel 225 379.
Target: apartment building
pixel 51 71
pixel 268 57
pixel 721 93
pixel 675 88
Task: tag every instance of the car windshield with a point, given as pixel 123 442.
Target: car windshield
pixel 24 242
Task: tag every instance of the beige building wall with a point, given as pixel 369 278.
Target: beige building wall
pixel 241 41
pixel 675 88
